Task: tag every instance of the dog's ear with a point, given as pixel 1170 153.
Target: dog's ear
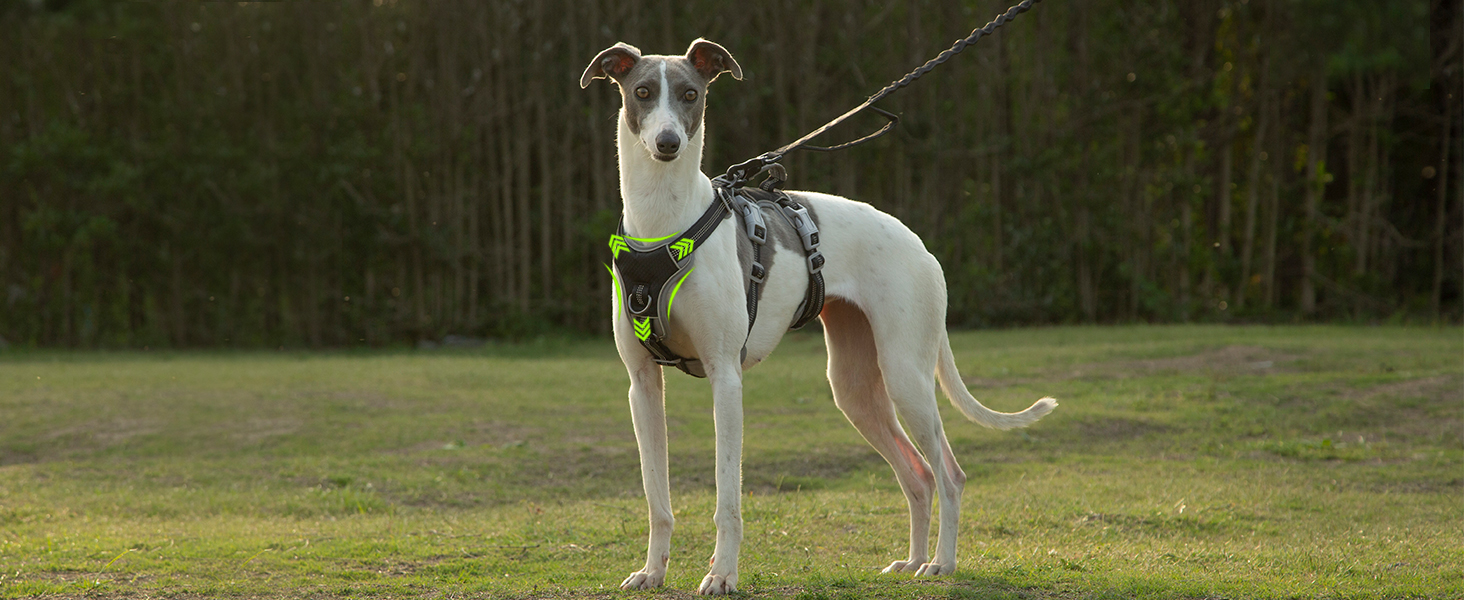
pixel 614 61
pixel 712 60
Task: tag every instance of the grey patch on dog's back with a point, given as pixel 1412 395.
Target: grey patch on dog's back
pixel 744 253
pixel 781 235
pixel 782 238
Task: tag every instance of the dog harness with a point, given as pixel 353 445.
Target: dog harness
pixel 649 272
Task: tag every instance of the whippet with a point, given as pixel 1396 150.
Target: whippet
pixel 883 320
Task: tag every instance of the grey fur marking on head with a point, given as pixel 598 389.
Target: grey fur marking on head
pixel 679 77
pixel 623 64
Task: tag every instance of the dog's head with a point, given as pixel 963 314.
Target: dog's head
pixel 663 97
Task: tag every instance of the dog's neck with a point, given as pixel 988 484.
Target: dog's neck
pixel 661 198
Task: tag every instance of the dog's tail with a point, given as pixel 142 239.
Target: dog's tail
pixel 955 389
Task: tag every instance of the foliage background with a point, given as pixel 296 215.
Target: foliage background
pixel 194 174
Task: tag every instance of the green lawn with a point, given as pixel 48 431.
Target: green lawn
pixel 1183 462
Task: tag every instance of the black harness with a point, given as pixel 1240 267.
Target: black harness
pixel 649 272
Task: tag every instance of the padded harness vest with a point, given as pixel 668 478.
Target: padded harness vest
pixel 649 272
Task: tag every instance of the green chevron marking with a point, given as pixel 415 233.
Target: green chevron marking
pixel 642 328
pixel 682 247
pixel 617 244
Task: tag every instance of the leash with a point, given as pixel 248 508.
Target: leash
pixel 739 174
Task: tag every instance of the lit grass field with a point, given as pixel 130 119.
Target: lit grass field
pixel 1183 462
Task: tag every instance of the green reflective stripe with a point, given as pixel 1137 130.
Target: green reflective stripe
pixel 642 328
pixel 683 248
pixel 649 240
pixel 675 289
pixel 617 285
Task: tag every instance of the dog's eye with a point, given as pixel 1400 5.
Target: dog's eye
pixel 642 92
pixel 689 95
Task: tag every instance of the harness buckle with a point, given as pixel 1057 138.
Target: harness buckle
pixel 815 262
pixel 752 220
pixel 758 273
pixel 807 230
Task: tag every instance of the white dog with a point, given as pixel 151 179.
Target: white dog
pixel 883 318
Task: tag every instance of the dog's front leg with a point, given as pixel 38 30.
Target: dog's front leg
pixel 726 379
pixel 648 412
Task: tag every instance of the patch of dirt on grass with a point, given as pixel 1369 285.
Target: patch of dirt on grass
pixel 14 457
pixel 1119 428
pixel 805 470
pixel 1169 523
pixel 1231 359
pixel 1235 360
pixel 1415 486
pixel 1422 408
pixel 108 432
pixel 366 399
pixel 1438 387
pixel 494 434
pixel 253 431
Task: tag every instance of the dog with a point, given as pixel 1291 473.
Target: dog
pixel 883 319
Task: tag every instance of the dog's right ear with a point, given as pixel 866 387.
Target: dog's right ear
pixel 614 61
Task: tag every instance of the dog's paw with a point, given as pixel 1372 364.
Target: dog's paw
pixel 717 585
pixel 641 580
pixel 903 566
pixel 933 569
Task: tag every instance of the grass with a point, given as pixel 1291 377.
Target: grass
pixel 1184 462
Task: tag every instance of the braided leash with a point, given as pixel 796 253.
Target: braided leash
pixel 742 172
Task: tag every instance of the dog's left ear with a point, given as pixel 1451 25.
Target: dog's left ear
pixel 712 60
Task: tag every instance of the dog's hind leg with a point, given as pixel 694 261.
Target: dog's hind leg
pixel 907 355
pixel 859 391
pixel 912 389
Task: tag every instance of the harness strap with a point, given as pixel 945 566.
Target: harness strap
pixel 749 207
pixel 813 298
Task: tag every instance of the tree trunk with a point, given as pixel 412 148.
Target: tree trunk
pixel 546 210
pixel 1316 184
pixel 1356 141
pixel 1252 195
pixel 523 241
pixel 503 224
pixel 1220 248
pixel 1273 205
pixel 1441 214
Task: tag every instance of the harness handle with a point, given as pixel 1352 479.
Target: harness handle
pixel 894 119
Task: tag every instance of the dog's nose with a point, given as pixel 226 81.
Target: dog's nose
pixel 668 143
